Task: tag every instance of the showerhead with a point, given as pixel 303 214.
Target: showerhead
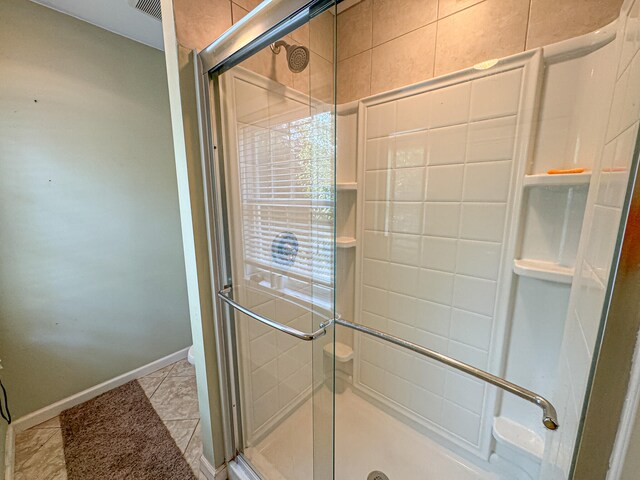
pixel 297 55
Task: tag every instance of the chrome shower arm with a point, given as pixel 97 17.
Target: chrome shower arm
pixel 275 47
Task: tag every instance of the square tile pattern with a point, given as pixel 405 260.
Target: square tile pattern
pixel 602 219
pixel 275 367
pixel 173 394
pixel 271 131
pixel 437 178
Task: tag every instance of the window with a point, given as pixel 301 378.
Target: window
pixel 286 179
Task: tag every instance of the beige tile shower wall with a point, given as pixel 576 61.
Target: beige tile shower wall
pixel 200 22
pixel 386 44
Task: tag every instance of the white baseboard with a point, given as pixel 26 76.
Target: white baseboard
pixel 53 410
pixel 9 453
pixel 210 472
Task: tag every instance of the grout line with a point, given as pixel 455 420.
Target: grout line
pixel 163 379
pixel 435 43
pixel 190 438
pixel 461 10
pixel 528 27
pixel 371 54
pixel 155 389
pixel 386 41
pixel 19 467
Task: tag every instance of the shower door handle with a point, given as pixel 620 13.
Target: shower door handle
pixel 549 415
pixel 307 337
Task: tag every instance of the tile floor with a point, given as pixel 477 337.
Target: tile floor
pixel 173 394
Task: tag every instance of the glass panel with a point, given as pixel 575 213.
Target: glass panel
pixel 483 200
pixel 278 122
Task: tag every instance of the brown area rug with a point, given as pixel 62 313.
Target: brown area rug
pixel 119 435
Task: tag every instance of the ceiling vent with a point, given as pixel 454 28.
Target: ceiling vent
pixel 150 7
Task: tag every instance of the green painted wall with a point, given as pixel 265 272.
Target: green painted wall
pixel 92 279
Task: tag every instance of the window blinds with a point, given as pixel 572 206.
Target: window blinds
pixel 286 177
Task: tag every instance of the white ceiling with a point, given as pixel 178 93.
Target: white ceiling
pixel 114 15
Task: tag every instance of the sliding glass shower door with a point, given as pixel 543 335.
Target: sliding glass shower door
pixel 411 279
pixel 276 151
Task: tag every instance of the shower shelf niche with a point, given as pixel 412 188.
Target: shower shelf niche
pixel 345 242
pixel 346 186
pixel 542 270
pixel 518 437
pixel 559 180
pixel 342 353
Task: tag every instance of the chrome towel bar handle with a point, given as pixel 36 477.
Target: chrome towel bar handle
pixel 549 414
pixel 307 337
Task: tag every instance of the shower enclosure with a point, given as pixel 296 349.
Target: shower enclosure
pixel 411 284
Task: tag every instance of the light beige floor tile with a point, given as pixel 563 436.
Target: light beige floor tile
pixel 47 463
pixel 150 384
pixel 181 431
pixel 194 451
pixel 176 399
pixel 51 423
pixel 40 453
pixel 182 369
pixel 29 442
pixel 163 372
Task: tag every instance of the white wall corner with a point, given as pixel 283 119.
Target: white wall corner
pixel 9 453
pixel 53 410
pixel 189 241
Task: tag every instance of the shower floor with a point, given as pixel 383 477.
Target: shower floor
pixel 367 439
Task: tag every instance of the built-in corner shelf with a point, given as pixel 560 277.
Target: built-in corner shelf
pixel 343 353
pixel 346 186
pixel 542 270
pixel 558 180
pixel 345 242
pixel 518 437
